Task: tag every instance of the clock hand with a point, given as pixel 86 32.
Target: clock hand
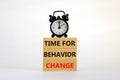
pixel 59 25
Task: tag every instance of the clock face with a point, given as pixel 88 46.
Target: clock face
pixel 59 27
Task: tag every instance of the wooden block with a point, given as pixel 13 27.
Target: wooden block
pixel 59 54
pixel 62 42
pixel 60 64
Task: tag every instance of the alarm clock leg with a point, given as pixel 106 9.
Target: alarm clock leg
pixel 65 35
pixel 52 35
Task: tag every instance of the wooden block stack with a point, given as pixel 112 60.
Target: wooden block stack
pixel 59 54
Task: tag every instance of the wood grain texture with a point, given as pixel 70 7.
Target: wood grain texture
pixel 69 47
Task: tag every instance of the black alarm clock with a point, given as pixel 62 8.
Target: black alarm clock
pixel 59 26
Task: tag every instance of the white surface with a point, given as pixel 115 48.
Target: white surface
pixel 24 24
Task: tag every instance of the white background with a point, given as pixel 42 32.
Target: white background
pixel 24 24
